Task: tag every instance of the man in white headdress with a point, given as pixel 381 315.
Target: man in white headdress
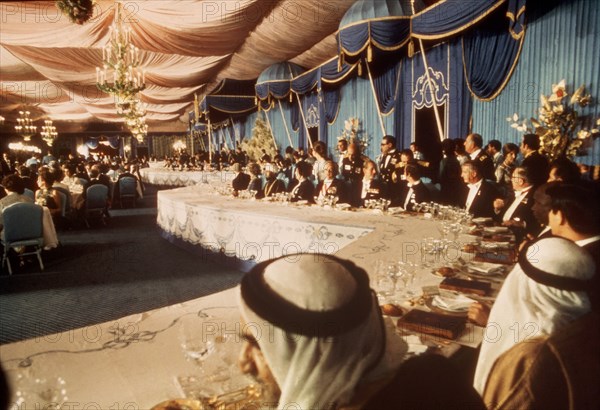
pixel 540 349
pixel 314 331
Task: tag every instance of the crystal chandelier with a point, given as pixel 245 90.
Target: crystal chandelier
pixel 119 75
pixel 49 133
pixel 25 127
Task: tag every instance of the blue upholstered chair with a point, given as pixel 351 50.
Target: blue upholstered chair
pixel 23 227
pixel 96 203
pixel 127 190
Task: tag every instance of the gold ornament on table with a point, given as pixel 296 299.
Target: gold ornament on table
pixel 562 130
pixel 78 11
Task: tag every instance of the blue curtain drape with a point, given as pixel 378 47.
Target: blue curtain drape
pixel 561 43
pixel 385 82
pixel 491 51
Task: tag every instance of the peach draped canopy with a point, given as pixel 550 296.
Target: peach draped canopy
pixel 186 48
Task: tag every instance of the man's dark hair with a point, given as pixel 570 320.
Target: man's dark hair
pixel 532 141
pixel 565 170
pixel 13 183
pixel 389 139
pixel 408 153
pixel 413 171
pixel 497 145
pixel 510 147
pixel 24 171
pixel 448 146
pixel 578 205
pixel 304 169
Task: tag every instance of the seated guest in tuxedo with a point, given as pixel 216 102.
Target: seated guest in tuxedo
pixel 474 147
pixel 515 211
pixel 415 190
pixel 331 185
pixel 273 185
pixel 480 194
pixel 241 180
pixel 372 187
pixel 256 180
pixel 304 189
pixel 536 163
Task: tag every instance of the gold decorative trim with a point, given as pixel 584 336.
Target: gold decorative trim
pixel 513 18
pixel 461 28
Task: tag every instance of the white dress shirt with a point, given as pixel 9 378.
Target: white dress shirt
pixel 474 154
pixel 473 189
pixel 366 184
pixel 410 193
pixel 519 196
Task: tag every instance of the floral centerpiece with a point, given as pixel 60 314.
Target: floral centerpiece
pixel 352 132
pixel 78 11
pixel 562 130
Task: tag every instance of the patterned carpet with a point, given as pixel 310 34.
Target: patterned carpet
pixel 102 274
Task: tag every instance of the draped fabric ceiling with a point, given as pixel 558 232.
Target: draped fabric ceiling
pixel 48 64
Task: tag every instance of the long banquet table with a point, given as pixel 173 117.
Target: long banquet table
pixel 140 360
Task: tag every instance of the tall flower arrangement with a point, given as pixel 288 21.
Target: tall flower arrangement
pixel 78 11
pixel 262 139
pixel 561 128
pixel 353 132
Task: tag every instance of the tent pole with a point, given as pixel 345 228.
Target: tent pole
pixel 271 129
pixel 304 121
pixel 287 131
pixel 375 98
pixel 234 133
pixel 210 135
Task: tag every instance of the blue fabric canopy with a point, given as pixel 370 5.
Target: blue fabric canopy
pixel 275 82
pixel 389 25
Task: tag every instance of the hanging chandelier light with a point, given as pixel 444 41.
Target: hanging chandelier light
pixel 1 120
pixel 48 132
pixel 25 127
pixel 138 128
pixel 119 74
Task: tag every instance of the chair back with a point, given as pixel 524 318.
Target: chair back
pixel 65 200
pixel 96 197
pixel 22 221
pixel 127 186
pixel 28 192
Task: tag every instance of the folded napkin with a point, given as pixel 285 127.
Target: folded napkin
pixel 486 268
pixel 456 303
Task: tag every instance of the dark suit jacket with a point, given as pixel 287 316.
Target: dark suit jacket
pixel 377 190
pixel 336 188
pixel 240 182
pixel 487 165
pixel 274 186
pixel 420 194
pixel 385 172
pixel 305 192
pixel 256 185
pixel 483 204
pixel 594 250
pixel 523 213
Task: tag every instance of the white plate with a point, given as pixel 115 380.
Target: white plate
pixel 481 220
pixel 496 229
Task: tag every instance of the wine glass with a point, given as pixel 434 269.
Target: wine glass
pixel 406 273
